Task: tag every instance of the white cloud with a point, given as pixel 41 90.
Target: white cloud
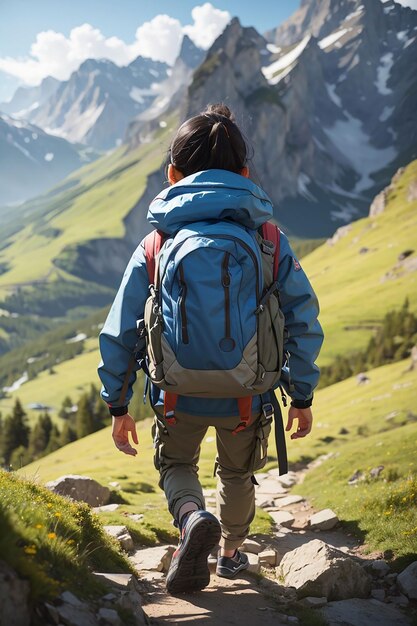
pixel 54 54
pixel 209 22
pixel 159 39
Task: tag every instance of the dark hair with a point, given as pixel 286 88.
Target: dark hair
pixel 210 140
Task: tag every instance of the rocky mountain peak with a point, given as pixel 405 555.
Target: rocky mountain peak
pixel 190 54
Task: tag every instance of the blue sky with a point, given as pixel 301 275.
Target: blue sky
pixel 23 20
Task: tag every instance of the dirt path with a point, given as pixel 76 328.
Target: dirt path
pixel 239 602
pixel 250 599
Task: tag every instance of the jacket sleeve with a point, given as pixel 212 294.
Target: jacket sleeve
pixel 118 336
pixel 305 336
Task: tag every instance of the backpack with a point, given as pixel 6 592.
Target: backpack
pixel 213 323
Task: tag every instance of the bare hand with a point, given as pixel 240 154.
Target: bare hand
pixel 121 427
pixel 305 421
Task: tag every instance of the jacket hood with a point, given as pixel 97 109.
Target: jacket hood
pixel 210 195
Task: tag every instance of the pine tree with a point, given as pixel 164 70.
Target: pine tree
pixel 15 431
pixel 84 423
pixel 66 406
pixel 40 436
pixel 54 440
pixel 68 435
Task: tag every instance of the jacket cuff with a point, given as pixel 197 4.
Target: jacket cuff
pixel 302 404
pixel 118 411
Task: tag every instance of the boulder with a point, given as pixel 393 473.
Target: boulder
pixel 107 508
pixel 282 518
pixel 357 612
pixel 380 568
pixel 268 558
pixel 286 480
pixel 153 559
pixel 123 582
pixel 378 204
pixel 254 565
pixel 407 581
pixel 339 234
pixel 270 486
pixel 80 488
pixel 73 612
pixel 109 616
pixel 323 520
pixel 249 545
pixel 289 500
pixel 122 535
pixel 378 594
pixel 14 598
pixel 317 569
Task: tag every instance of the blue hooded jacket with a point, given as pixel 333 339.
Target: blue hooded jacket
pixel 206 195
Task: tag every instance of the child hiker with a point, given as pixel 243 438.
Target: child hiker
pixel 229 314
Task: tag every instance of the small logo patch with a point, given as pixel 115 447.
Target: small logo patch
pixel 297 266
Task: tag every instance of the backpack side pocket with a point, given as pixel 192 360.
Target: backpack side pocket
pixel 259 455
pixel 153 323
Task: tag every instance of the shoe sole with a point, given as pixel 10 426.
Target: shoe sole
pixel 191 571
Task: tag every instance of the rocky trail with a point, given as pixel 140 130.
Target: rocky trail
pixel 307 571
pixel 324 569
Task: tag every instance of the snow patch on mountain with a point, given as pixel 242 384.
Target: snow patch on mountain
pixel 17 384
pixel 355 13
pixel 386 114
pixel 270 71
pixel 139 95
pixel 271 47
pixel 303 181
pixel 383 74
pixel 328 41
pixel 331 90
pixel 349 137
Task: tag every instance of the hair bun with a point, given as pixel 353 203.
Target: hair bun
pixel 219 109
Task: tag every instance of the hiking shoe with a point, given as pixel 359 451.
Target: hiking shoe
pixel 189 569
pixel 228 567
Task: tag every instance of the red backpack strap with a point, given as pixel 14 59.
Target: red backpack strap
pixel 152 244
pixel 273 233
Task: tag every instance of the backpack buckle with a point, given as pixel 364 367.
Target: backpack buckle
pixel 170 418
pixel 268 410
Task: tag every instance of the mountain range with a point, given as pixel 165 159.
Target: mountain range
pixel 328 100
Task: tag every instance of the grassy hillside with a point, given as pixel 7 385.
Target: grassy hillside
pixel 91 203
pixel 359 279
pixel 382 430
pixel 48 540
pixel 352 291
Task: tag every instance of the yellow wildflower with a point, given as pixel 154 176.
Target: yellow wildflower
pixel 30 549
pixel 39 526
pixel 49 505
pixel 51 535
pixel 58 514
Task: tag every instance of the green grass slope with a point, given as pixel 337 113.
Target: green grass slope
pixel 382 430
pixel 359 279
pixel 91 203
pixel 53 542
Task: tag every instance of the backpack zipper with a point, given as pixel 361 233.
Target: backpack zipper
pixel 230 238
pixel 226 288
pixel 181 302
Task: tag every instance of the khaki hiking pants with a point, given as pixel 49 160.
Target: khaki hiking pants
pixel 177 451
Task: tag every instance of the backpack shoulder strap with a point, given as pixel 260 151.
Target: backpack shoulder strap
pixel 152 244
pixel 272 233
